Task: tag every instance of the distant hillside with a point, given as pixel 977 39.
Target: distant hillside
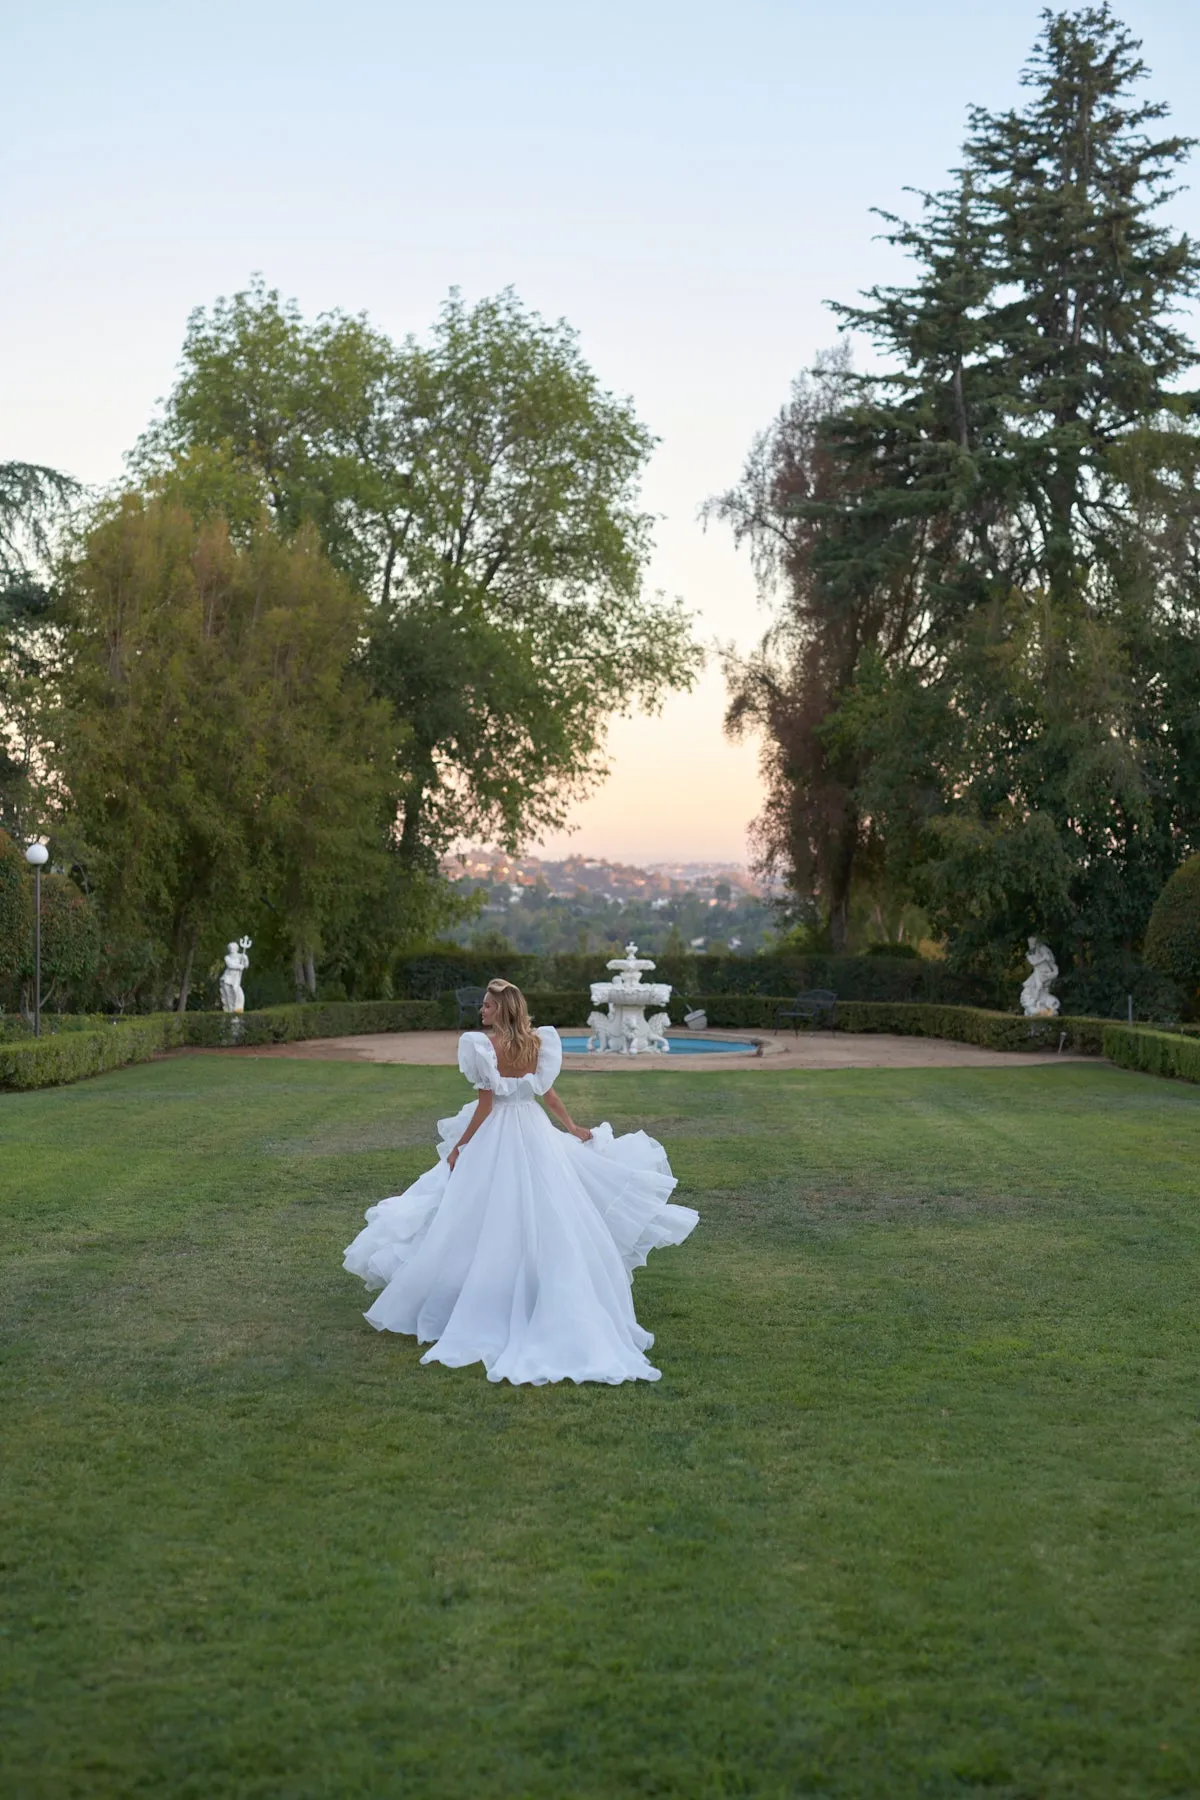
pixel 587 904
pixel 593 875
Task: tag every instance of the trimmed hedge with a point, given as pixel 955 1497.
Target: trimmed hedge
pixel 73 1055
pixel 1153 1052
pixel 335 1018
pixel 961 1024
pixel 559 1006
pixel 426 974
pixel 16 1029
pixel 975 1025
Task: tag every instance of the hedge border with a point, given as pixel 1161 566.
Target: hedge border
pixel 74 1055
pixel 1153 1052
pixel 68 1056
pixel 425 973
pixel 335 1018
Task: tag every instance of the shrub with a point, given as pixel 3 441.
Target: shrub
pixel 425 974
pixel 559 1006
pixel 73 1055
pixel 975 1025
pixel 1153 1052
pixel 15 1028
pixel 318 1019
pixel 961 1024
pixel 1172 944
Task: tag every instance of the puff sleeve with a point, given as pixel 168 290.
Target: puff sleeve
pixel 477 1060
pixel 549 1062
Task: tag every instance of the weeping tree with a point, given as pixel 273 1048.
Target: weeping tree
pixel 220 756
pixel 811 830
pixel 34 504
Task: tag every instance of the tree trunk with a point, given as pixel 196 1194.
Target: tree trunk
pixel 840 875
pixel 185 980
pixel 960 406
pixel 414 809
pixel 304 973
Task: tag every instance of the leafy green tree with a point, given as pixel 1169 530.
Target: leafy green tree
pixel 222 762
pixel 34 504
pixel 16 918
pixel 480 489
pixel 794 509
pixel 1173 934
pixel 70 935
pixel 1024 471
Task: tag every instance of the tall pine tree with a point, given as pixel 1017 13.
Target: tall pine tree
pixel 1027 466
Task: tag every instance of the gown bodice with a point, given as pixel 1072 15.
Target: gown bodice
pixel 477 1061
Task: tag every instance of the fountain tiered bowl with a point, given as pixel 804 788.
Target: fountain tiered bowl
pixel 624 1029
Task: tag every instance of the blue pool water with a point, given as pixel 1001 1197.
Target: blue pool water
pixel 681 1046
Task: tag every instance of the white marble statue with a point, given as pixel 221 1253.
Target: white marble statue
pixel 1036 998
pixel 236 963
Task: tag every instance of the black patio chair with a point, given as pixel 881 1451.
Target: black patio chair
pixel 816 1006
pixel 468 1001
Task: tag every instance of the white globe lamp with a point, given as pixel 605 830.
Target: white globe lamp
pixel 37 856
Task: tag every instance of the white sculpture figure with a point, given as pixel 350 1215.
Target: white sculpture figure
pixel 624 1028
pixel 236 964
pixel 1036 998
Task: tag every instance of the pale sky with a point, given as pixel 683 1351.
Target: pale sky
pixel 686 181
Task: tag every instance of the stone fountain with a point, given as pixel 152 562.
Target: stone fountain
pixel 624 1028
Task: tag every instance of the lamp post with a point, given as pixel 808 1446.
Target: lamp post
pixel 37 855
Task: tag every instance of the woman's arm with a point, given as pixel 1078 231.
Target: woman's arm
pixel 482 1108
pixel 555 1105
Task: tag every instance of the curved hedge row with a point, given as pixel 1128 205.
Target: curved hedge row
pixel 72 1055
pixel 1153 1052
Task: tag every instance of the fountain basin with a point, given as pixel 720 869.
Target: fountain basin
pixel 576 1043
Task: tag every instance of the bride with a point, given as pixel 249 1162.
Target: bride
pixel 517 1249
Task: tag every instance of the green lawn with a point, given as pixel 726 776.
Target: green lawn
pixel 913 1510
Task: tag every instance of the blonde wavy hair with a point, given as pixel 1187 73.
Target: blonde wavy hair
pixel 518 1040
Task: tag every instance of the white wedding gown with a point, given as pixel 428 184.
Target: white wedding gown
pixel 522 1256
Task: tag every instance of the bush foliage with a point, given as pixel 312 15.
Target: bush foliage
pixel 1172 944
pixel 83 1047
pixel 73 1055
pixel 292 1024
pixel 427 973
pixel 1153 1052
